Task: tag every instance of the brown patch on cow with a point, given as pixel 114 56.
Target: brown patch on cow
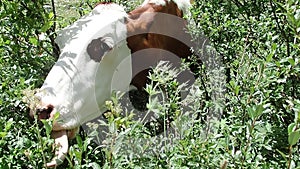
pixel 97 48
pixel 149 18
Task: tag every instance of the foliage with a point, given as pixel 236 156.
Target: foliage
pixel 243 111
pixel 259 45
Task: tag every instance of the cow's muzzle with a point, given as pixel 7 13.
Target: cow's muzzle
pixel 41 111
pixel 60 136
pixel 44 112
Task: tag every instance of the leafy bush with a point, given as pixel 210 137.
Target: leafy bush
pixel 258 44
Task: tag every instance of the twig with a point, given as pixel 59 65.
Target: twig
pixel 54 15
pixel 281 29
pixel 52 33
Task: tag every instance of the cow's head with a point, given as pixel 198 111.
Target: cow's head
pixel 94 61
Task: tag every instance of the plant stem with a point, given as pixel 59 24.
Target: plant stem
pixel 290 156
pixel 40 141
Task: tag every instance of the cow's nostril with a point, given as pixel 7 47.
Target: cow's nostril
pixel 44 113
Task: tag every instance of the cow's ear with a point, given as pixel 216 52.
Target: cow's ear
pixel 98 47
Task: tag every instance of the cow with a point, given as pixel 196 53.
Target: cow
pixel 105 51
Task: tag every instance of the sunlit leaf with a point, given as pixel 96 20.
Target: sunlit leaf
pixel 294 137
pixel 291 128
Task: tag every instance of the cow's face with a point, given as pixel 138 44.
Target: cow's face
pixel 94 61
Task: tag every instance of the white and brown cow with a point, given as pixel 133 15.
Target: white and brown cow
pixel 104 51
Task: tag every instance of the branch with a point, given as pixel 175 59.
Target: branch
pixel 54 15
pixel 52 33
pixel 280 28
pixel 237 3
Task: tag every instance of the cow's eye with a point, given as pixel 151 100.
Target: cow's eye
pixel 97 48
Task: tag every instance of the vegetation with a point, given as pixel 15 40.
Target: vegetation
pixel 243 111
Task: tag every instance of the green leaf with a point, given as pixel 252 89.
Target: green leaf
pixel 79 141
pixel 8 124
pixel 46 26
pixel 255 111
pixel 94 165
pixel 235 87
pixel 259 110
pixel 282 154
pixel 56 116
pixel 291 128
pixel 292 61
pixel 47 126
pixel 51 15
pixel 250 112
pixel 3 134
pixel 22 80
pixel 297 117
pixel 291 18
pixel 294 137
pixel 269 57
pixel 33 40
pixel 78 154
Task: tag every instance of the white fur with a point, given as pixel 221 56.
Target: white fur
pixel 183 5
pixel 156 2
pixel 104 7
pixel 77 86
